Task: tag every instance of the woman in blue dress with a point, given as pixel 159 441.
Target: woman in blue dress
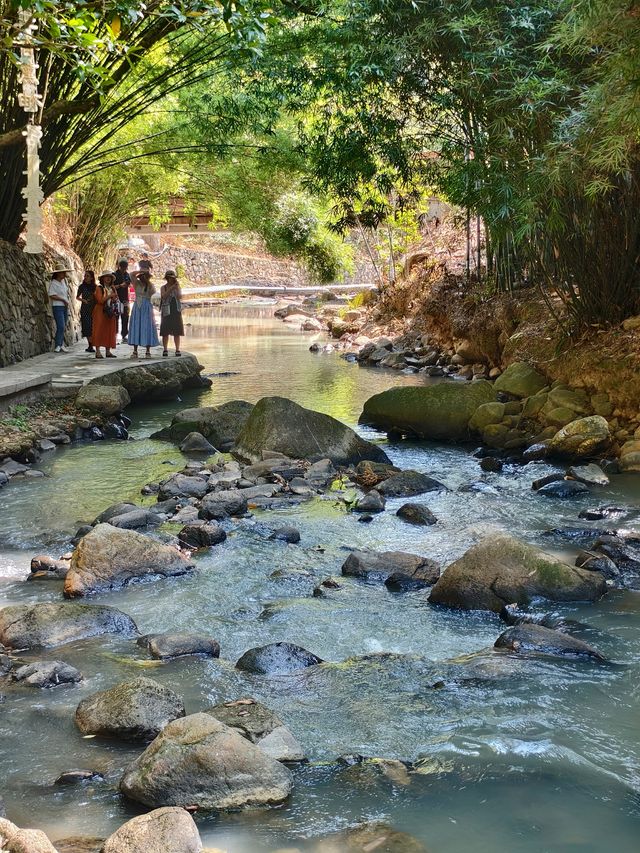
pixel 142 326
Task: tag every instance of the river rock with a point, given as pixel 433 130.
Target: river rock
pixel 520 380
pixel 369 838
pixel 108 558
pixel 47 673
pixel 286 533
pixel 600 512
pixel 277 659
pixel 198 761
pixel 223 504
pixel 440 411
pixel 597 563
pixel 491 464
pixel 563 489
pixel 182 486
pixel 630 456
pixel 288 310
pixel 196 443
pixel 374 566
pixel 590 475
pixel 501 570
pixel 79 844
pixel 134 710
pixel 282 425
pixel 136 519
pixel 540 640
pixel 220 425
pixel 28 626
pixel 103 399
pixel 79 777
pixel 408 483
pixel 6 665
pixel 175 645
pixel 369 474
pixel 371 502
pixel 16 840
pixel 418 514
pixel 487 413
pixel 581 438
pixel 56 568
pixel 165 830
pixel 115 510
pixel 202 535
pixel 261 726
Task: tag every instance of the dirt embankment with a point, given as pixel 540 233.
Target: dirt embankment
pixel 501 329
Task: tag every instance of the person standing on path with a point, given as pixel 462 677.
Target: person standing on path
pixel 104 316
pixel 144 264
pixel 58 291
pixel 142 328
pixel 123 283
pixel 171 313
pixel 85 295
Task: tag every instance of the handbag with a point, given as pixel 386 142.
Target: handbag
pixel 113 308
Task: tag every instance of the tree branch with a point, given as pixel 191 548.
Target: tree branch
pixel 60 108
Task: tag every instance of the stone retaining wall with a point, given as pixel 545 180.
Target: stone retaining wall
pixel 208 266
pixel 26 321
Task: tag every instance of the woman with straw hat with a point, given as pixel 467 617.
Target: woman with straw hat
pixel 142 326
pixel 58 292
pixel 105 315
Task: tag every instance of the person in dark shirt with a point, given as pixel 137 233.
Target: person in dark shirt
pixel 122 281
pixel 144 263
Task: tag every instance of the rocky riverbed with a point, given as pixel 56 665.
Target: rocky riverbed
pixel 330 615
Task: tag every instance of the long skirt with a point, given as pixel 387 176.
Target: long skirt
pixel 103 332
pixel 86 315
pixel 142 326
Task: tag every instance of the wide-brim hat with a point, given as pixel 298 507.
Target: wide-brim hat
pixel 170 274
pixel 104 274
pixel 60 269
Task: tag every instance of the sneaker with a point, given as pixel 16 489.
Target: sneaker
pixel 58 349
pixel 63 349
pixel 125 339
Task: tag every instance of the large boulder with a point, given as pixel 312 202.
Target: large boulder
pixel 108 557
pixel 167 830
pixel 581 439
pixel 520 380
pixel 261 726
pixel 440 411
pixel 220 425
pixel 277 659
pixel 103 399
pixel 16 840
pixel 501 570
pixel 132 710
pixel 29 626
pixel 280 425
pixel 198 761
pixel 377 567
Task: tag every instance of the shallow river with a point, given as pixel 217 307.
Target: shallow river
pixel 517 755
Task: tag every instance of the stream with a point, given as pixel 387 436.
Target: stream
pixel 523 755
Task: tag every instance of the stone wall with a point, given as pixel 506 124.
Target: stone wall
pixel 26 321
pixel 209 266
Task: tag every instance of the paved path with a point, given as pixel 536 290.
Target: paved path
pixel 64 372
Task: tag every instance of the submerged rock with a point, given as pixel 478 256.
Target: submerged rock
pixel 48 673
pixel 501 570
pixel 440 411
pixel 369 838
pixel 165 830
pixel 286 533
pixel 377 566
pixel 108 558
pixel 408 483
pixel 537 639
pixel 261 726
pixel 176 645
pixel 28 626
pixel 563 489
pixel 277 659
pixel 80 844
pixel 282 425
pixel 79 777
pixel 198 761
pixel 132 710
pixel 418 514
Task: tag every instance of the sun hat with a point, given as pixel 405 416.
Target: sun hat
pixel 170 274
pixel 60 269
pixel 104 274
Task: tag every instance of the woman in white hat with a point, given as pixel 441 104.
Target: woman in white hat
pixel 105 315
pixel 58 291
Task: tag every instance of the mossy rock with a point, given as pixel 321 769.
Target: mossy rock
pixel 581 438
pixel 501 570
pixel 440 411
pixel 520 380
pixel 534 405
pixel 495 435
pixel 558 416
pixel 568 398
pixel 487 413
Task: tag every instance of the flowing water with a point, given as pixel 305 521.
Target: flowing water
pixel 521 755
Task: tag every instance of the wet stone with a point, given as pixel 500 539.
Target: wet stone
pixel 418 514
pixel 174 645
pixel 277 659
pixel 286 533
pixel 79 777
pixel 47 674
pixel 564 489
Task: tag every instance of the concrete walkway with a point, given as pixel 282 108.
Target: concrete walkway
pixel 63 373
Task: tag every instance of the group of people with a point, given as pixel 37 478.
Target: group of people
pixel 105 302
